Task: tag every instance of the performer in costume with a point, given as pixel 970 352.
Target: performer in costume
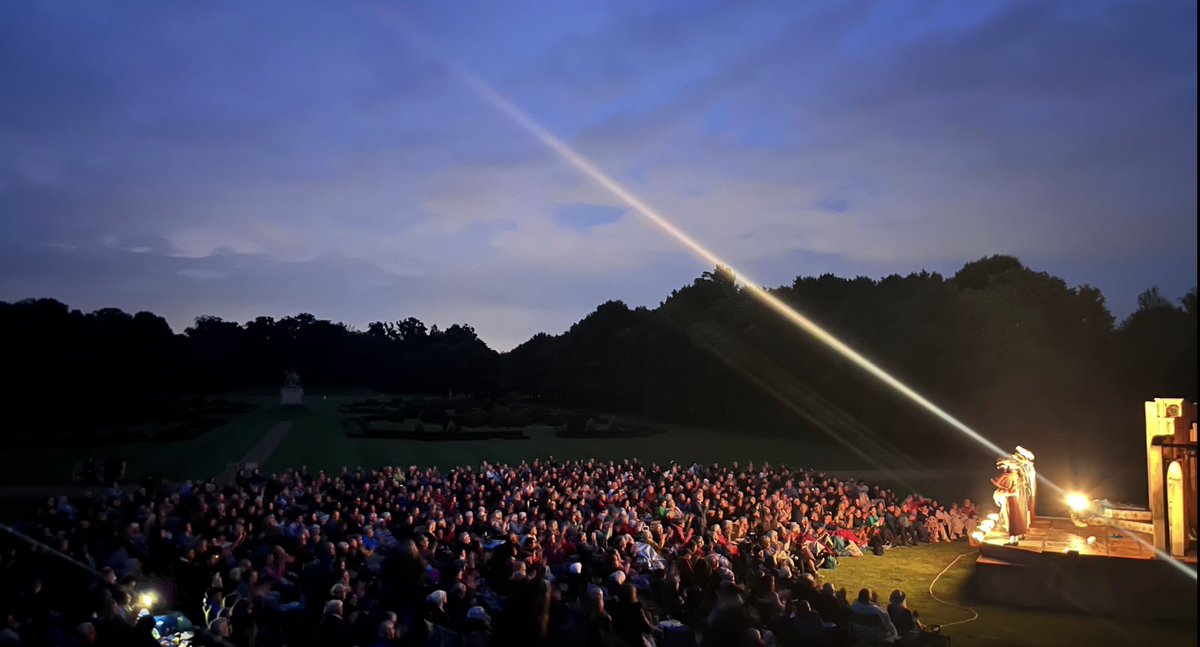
pixel 1000 498
pixel 1010 488
pixel 1024 459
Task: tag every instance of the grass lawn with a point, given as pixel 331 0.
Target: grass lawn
pixel 199 457
pixel 912 569
pixel 317 439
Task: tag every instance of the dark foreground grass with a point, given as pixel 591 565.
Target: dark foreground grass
pixel 912 570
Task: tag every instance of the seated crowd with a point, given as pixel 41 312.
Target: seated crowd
pixel 572 553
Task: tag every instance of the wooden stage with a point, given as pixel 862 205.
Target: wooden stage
pixel 1058 535
pixel 1056 567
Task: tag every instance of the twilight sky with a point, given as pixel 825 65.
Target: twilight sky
pixel 239 159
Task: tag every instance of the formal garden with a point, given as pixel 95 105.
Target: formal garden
pixel 346 426
pixel 466 418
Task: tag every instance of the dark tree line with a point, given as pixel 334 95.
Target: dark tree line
pixel 63 362
pixel 994 333
pixel 1015 353
pixel 1000 346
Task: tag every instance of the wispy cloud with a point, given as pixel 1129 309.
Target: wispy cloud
pixel 305 156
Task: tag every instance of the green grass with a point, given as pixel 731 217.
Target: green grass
pixel 912 569
pixel 317 439
pixel 410 424
pixel 196 458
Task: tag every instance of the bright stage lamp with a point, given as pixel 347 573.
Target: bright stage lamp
pixel 147 600
pixel 1078 502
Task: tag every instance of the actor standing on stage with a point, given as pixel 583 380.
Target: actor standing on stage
pixel 1013 495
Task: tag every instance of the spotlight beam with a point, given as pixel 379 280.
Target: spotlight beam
pixel 585 166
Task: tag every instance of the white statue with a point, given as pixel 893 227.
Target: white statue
pixel 291 393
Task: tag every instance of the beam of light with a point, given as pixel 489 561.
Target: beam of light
pixel 506 107
pixel 758 369
pixel 583 165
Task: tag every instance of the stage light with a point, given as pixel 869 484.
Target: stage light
pixel 147 600
pixel 1078 502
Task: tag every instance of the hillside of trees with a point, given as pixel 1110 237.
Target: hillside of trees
pixel 1003 347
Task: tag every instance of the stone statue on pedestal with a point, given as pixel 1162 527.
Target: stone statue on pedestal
pixel 291 393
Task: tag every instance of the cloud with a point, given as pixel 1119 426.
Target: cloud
pixel 308 157
pixel 582 217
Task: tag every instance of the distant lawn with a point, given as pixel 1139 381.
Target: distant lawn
pixel 412 424
pixel 912 569
pixel 318 440
pixel 199 457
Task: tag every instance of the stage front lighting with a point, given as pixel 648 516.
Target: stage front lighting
pixel 1078 502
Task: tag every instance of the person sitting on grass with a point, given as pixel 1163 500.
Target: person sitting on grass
pixel 903 618
pixel 938 524
pixel 870 621
pixel 957 521
pixel 905 533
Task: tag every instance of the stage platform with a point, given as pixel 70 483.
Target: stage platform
pixel 1056 567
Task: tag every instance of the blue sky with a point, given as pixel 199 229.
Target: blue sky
pixel 239 159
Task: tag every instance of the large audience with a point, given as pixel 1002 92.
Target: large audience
pixel 545 553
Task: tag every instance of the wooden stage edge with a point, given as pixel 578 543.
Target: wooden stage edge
pixel 1056 567
pixel 1060 535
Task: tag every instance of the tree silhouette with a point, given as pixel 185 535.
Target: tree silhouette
pixel 1005 347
